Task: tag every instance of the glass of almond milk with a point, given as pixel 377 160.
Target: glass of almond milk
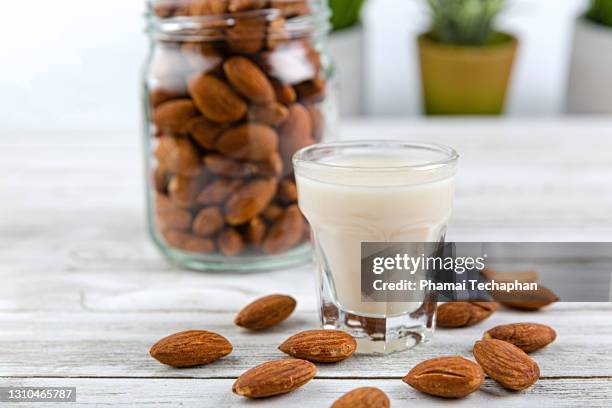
pixel 373 191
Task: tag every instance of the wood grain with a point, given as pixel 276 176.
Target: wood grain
pixel 84 293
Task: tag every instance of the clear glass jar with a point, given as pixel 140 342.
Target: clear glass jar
pixel 232 89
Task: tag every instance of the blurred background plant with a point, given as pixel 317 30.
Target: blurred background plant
pixel 600 12
pixel 345 13
pixel 464 22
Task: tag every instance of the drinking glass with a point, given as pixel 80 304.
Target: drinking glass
pixel 373 191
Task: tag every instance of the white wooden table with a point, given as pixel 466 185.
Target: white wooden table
pixel 84 293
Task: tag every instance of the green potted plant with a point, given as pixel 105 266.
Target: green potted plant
pixel 345 47
pixel 590 78
pixel 465 63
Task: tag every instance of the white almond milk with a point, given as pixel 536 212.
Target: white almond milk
pixel 346 206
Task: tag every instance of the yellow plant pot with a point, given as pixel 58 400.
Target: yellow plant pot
pixel 465 80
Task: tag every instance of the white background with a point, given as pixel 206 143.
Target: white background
pixel 74 64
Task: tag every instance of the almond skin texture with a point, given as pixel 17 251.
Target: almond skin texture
pixel 248 80
pixel 222 166
pixel 295 132
pixel 188 242
pixel 506 364
pixel 286 232
pixel 526 300
pixel 178 155
pixel 320 346
pixel 207 222
pixel 174 116
pixel 365 397
pixel 274 378
pixel 217 191
pixel 216 100
pixel 230 242
pixel 266 312
pixel 447 377
pixel 249 200
pixel 526 336
pixel 272 114
pixel 250 141
pixel 190 348
pixel 204 132
pixel 207 7
pixel 463 314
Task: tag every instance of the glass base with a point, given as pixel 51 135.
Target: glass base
pixel 382 335
pixel 297 256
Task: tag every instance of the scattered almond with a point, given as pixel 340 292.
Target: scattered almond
pixel 364 397
pixel 506 364
pixel 526 336
pixel 462 314
pixel 274 377
pixel 266 312
pixel 320 346
pixel 447 377
pixel 526 300
pixel 190 348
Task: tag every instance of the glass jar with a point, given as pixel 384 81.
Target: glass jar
pixel 232 89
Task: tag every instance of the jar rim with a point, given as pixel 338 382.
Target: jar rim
pixel 211 27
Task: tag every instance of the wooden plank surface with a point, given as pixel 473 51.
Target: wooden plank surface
pixel 84 293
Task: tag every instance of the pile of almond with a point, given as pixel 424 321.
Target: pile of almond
pixel 232 96
pixel 502 354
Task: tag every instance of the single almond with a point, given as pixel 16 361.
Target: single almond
pixel 183 191
pixel 188 242
pixel 190 348
pixel 217 191
pixel 174 116
pixel 265 312
pixel 285 93
pixel 207 222
pixel 295 132
pixel 255 231
pixel 447 377
pixel 271 166
pixel 507 364
pixel 364 397
pixel 250 141
pixel 171 216
pixel 526 299
pixel 204 132
pixel 526 336
pixel 249 200
pixel 286 232
pixel 248 80
pixel 216 100
pixel 320 346
pixel 230 242
pixel 178 155
pixel 272 114
pixel 274 378
pixel 223 166
pixel 462 314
